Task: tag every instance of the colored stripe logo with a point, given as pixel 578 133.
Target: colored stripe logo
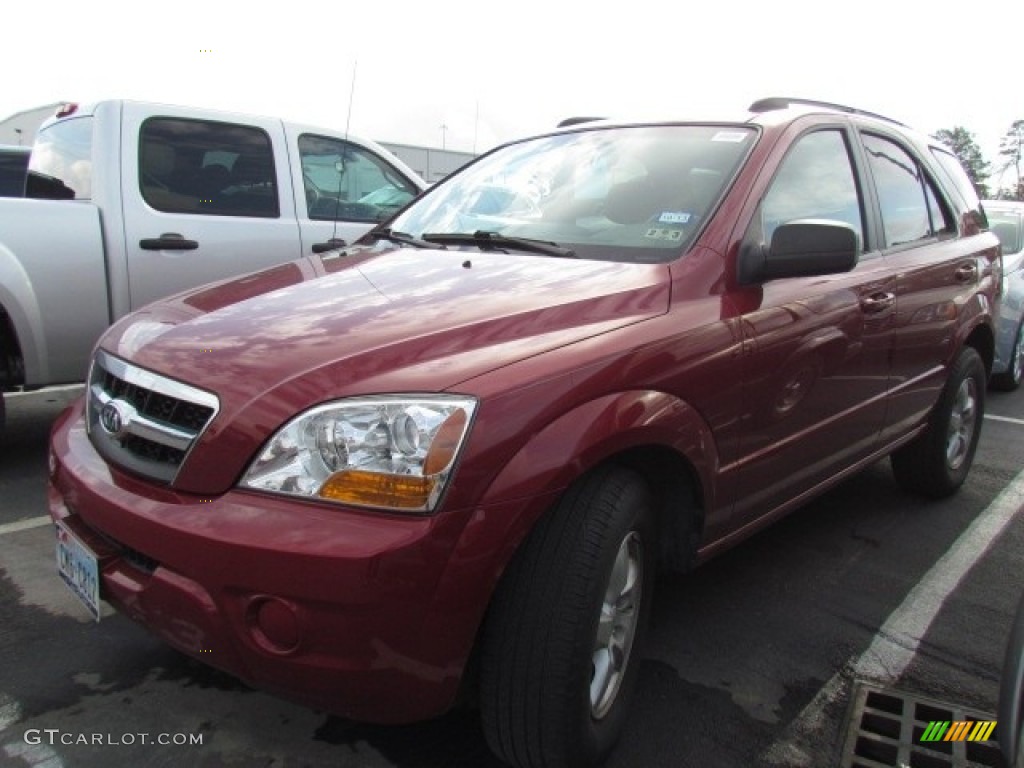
pixel 959 730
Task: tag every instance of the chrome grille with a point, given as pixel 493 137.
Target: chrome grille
pixel 143 421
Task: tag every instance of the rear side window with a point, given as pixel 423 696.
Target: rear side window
pixel 60 167
pixel 815 181
pixel 206 167
pixel 13 164
pixel 958 176
pixel 345 181
pixel 911 208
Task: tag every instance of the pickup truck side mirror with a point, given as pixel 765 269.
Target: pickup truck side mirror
pixel 800 249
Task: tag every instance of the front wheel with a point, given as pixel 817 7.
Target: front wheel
pixel 560 651
pixel 937 461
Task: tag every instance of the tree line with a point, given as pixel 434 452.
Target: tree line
pixel 981 172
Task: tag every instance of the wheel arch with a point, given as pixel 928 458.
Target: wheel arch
pixel 20 318
pixel 660 436
pixel 654 434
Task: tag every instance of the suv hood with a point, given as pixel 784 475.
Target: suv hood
pixel 275 343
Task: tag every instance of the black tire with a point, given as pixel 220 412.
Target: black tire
pixel 937 461
pixel 543 632
pixel 1010 379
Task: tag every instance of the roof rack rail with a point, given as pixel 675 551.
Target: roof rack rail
pixel 781 102
pixel 576 121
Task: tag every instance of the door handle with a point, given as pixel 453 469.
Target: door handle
pixel 966 273
pixel 877 302
pixel 168 241
pixel 332 244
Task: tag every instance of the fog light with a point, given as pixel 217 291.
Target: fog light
pixel 274 625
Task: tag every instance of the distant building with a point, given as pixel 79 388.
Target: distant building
pixel 429 162
pixel 20 128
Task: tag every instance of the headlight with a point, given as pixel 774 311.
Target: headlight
pixel 395 452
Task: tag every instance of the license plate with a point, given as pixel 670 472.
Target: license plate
pixel 79 567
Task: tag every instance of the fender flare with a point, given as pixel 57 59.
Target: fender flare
pixel 19 302
pixel 590 433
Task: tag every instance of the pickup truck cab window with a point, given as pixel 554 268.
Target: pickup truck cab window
pixel 344 181
pixel 13 165
pixel 206 167
pixel 60 167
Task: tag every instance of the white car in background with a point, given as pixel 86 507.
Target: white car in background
pixel 1006 220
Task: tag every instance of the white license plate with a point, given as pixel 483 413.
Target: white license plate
pixel 79 567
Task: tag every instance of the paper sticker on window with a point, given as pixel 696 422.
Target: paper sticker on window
pixel 733 137
pixel 658 233
pixel 674 217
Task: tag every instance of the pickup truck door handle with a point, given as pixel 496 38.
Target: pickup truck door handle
pixel 168 241
pixel 877 302
pixel 332 244
pixel 967 273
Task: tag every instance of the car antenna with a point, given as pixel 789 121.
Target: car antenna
pixel 335 240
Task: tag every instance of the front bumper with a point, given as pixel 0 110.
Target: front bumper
pixel 334 607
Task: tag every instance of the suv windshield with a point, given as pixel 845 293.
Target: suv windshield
pixel 623 194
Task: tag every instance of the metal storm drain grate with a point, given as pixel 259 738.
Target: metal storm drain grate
pixel 897 730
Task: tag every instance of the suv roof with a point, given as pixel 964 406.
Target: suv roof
pixel 770 110
pixel 773 103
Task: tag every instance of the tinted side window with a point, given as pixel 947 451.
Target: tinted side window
pixel 911 209
pixel 13 164
pixel 61 163
pixel 198 166
pixel 958 176
pixel 345 181
pixel 815 181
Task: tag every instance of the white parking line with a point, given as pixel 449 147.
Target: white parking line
pixel 24 525
pixel 10 711
pixel 1004 418
pixel 895 645
pixel 61 388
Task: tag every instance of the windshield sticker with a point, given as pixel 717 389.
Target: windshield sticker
pixel 674 217
pixel 659 233
pixel 734 137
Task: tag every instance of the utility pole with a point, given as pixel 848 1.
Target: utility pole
pixel 444 130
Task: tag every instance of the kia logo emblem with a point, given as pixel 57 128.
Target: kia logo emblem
pixel 115 418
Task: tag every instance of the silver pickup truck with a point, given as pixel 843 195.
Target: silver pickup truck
pixel 127 202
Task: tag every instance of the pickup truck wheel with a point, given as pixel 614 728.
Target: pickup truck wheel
pixel 1010 379
pixel 937 461
pixel 560 652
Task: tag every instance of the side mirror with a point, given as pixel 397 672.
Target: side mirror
pixel 800 249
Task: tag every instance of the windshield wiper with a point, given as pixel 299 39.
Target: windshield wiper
pixel 402 238
pixel 493 241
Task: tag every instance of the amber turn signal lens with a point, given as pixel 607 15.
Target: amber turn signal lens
pixel 446 442
pixel 378 490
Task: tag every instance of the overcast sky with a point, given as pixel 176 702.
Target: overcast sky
pixel 472 74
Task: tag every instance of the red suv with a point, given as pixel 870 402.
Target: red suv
pixel 480 431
